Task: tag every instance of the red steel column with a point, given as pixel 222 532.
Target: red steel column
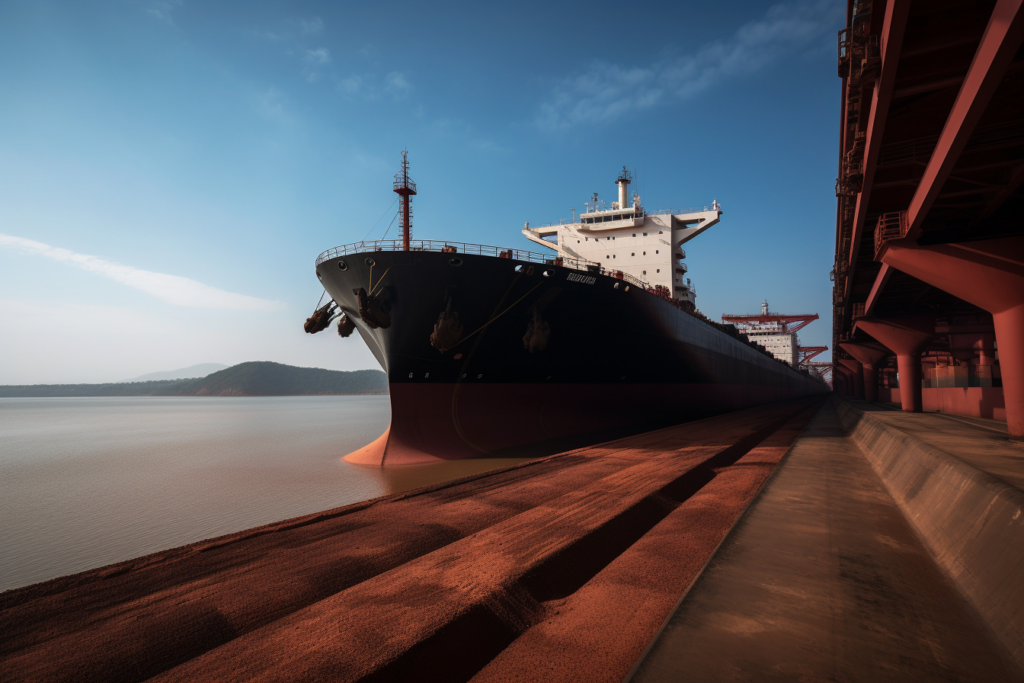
pixel 906 343
pixel 841 378
pixel 986 350
pixel 868 357
pixel 856 376
pixel 990 275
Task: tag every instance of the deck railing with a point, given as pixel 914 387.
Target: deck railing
pixel 481 250
pixel 447 246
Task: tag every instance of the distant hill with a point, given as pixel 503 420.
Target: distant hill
pixel 263 378
pixel 259 378
pixel 192 371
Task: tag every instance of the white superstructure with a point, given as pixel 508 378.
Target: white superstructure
pixel 775 337
pixel 624 237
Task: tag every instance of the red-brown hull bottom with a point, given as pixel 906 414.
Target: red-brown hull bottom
pixel 432 422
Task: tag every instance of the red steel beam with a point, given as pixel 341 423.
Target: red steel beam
pixel 809 353
pixel 890 44
pixel 999 44
pixel 876 289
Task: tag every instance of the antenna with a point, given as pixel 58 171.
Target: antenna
pixel 405 188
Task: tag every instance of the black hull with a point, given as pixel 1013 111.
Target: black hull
pixel 546 355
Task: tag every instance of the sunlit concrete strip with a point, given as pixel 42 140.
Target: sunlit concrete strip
pixel 825 580
pixel 960 487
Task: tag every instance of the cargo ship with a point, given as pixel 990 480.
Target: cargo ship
pixel 498 352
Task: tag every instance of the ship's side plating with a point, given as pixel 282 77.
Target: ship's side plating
pixel 531 357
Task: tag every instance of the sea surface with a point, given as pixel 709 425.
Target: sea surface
pixel 86 482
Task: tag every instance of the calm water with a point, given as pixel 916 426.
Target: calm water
pixel 85 482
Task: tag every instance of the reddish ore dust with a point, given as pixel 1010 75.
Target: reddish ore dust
pixel 559 569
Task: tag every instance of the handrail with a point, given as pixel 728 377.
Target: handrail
pixel 480 250
pixel 640 213
pixel 678 212
pixel 446 246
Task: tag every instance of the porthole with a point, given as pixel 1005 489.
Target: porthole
pixel 656 251
pixel 342 265
pixel 480 376
pixel 458 356
pixel 645 253
pixel 410 375
pixel 627 288
pixel 462 376
pixel 370 262
pixel 548 273
pixel 632 253
pixel 615 286
pixel 426 376
pixel 519 268
pixel 455 262
pixel 658 271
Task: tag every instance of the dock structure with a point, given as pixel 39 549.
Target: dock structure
pixel 820 539
pixel 929 262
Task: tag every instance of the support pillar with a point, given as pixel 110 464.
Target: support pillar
pixel 906 342
pixel 856 376
pixel 841 378
pixel 985 348
pixel 990 275
pixel 869 357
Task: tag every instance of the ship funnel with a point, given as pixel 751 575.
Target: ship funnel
pixel 623 183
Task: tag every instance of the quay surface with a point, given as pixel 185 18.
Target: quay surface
pixel 825 579
pixel 563 567
pixel 638 558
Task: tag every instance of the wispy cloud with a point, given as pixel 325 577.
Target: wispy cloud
pixel 172 289
pixel 314 25
pixel 606 92
pixel 271 103
pixel 395 85
pixel 162 9
pixel 457 129
pixel 321 55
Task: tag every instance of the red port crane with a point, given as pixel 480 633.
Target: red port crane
pixel 809 352
pixel 786 323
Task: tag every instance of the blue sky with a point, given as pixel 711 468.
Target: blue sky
pixel 170 170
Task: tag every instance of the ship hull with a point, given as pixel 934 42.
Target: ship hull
pixel 542 357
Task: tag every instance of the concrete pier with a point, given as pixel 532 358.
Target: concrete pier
pixel 825 579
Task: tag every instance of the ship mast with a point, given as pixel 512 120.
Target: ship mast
pixel 405 188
